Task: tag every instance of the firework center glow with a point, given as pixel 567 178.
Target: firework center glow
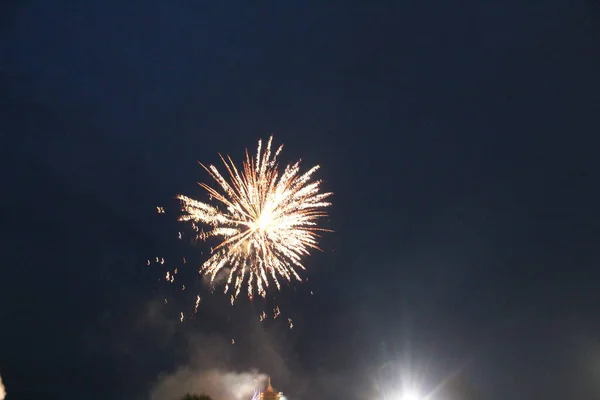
pixel 264 221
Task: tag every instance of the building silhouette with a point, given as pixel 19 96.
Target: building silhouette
pixel 270 393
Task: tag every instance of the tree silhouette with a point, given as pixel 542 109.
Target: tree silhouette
pixel 190 396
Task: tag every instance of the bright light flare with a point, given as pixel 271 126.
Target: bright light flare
pixel 267 221
pixel 410 395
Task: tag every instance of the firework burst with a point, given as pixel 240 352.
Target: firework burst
pixel 267 221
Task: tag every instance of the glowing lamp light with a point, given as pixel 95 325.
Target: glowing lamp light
pixel 411 395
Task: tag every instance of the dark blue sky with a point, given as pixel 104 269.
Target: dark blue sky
pixel 459 139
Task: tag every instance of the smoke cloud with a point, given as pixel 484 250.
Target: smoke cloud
pixel 220 369
pixel 2 390
pixel 218 384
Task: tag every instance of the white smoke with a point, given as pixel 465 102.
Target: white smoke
pixel 218 280
pixel 209 370
pixel 213 363
pixel 218 384
pixel 2 390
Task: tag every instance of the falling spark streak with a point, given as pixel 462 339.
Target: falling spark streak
pixel 197 304
pixel 268 224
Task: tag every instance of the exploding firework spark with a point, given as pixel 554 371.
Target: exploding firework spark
pixel 268 225
pixel 256 395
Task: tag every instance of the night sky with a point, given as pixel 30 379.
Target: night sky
pixel 459 139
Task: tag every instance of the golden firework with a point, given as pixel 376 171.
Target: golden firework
pixel 267 224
